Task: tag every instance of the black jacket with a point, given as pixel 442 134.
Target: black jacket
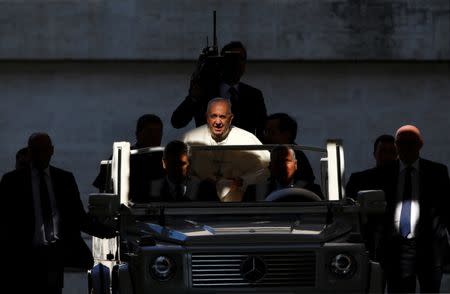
pixel 18 221
pixel 304 171
pixel 434 199
pixel 196 190
pixel 364 180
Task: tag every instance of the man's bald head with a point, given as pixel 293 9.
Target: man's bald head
pixel 411 130
pixel 41 149
pixel 409 141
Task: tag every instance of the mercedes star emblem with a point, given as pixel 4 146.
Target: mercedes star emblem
pixel 253 269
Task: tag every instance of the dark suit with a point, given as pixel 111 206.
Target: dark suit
pixel 304 171
pixel 368 179
pixel 258 192
pixel 249 111
pixel 143 168
pixel 424 254
pixel 196 190
pixel 18 229
pixel 364 180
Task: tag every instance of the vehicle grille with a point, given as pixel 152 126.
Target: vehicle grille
pixel 227 269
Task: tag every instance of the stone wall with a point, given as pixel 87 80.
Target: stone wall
pixel 272 29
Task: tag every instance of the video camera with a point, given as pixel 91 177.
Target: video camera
pixel 211 65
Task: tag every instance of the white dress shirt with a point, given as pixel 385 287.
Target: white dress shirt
pixel 415 212
pixel 39 232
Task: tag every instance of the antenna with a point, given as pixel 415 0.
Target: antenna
pixel 214 29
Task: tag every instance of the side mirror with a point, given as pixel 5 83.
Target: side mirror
pixel 372 203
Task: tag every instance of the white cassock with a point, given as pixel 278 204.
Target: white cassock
pixel 219 165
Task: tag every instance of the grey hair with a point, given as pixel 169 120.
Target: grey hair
pixel 280 150
pixel 219 99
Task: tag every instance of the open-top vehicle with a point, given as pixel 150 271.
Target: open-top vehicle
pixel 303 246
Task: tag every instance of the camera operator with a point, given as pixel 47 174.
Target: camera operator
pixel 219 76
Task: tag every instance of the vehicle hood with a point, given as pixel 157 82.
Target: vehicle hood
pixel 192 230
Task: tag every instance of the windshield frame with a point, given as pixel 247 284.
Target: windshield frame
pixel 331 173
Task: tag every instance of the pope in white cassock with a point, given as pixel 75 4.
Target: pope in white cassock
pixel 231 170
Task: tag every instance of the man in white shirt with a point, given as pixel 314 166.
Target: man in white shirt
pixel 232 171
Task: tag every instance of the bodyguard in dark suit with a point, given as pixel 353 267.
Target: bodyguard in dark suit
pixel 283 167
pixel 248 105
pixel 41 223
pixel 177 185
pixel 416 218
pixel 144 167
pixel 384 152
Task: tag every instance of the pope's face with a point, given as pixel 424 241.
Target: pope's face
pixel 219 118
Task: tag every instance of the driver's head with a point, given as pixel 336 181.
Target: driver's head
pixel 176 161
pixel 283 164
pixel 40 148
pixel 235 56
pixel 219 118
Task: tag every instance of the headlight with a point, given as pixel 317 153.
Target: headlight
pixel 162 268
pixel 343 265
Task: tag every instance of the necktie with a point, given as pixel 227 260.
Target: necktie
pixel 405 215
pixel 46 208
pixel 179 192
